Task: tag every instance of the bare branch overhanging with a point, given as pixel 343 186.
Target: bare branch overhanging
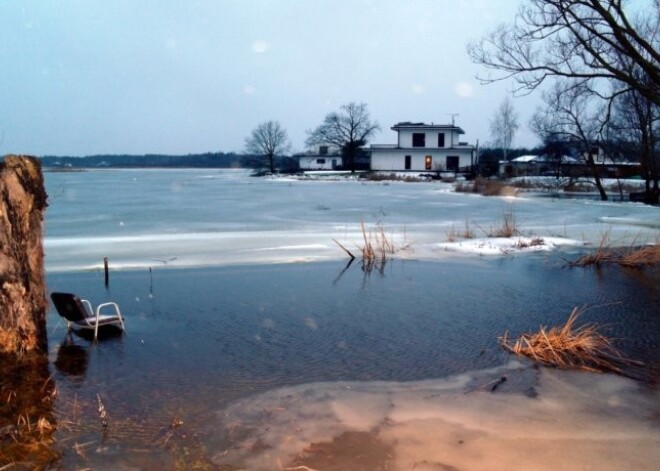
pixel 577 39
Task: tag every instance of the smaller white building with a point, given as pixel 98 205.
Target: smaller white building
pixel 424 147
pixel 322 157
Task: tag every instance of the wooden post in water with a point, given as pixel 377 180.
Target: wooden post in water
pixel 105 269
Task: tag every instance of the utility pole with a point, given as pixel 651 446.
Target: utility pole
pixel 453 115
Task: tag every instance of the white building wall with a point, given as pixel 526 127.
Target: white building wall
pixel 431 139
pixel 318 162
pixel 394 159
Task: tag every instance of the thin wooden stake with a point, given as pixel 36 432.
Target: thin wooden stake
pixel 107 273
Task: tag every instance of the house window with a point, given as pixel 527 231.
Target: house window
pixel 452 163
pixel 323 150
pixel 441 139
pixel 428 162
pixel 320 161
pixel 407 163
pixel 419 139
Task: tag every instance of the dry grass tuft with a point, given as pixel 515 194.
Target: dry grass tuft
pixel 376 248
pixel 507 227
pixel 486 187
pixel 535 242
pixel 454 234
pixel 643 256
pixel 377 244
pixel 603 254
pixel 569 347
pixel 385 177
pixel 633 257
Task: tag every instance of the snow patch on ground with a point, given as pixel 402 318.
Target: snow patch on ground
pixel 508 245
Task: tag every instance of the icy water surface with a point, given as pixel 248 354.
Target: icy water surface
pixel 234 359
pixel 143 218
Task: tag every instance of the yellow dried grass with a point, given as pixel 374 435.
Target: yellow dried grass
pixel 633 257
pixel 643 256
pixel 508 227
pixel 568 347
pixel 454 234
pixel 376 246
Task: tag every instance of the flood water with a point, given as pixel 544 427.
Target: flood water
pixel 199 339
pixel 215 348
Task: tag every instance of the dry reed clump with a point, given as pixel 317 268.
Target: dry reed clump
pixel 507 227
pixel 379 177
pixel 579 187
pixel 643 256
pixel 454 234
pixel 377 245
pixel 633 257
pixel 486 187
pixel 568 347
pixel 525 184
pixel 535 242
pixel 27 421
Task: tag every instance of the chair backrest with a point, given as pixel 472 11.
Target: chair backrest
pixel 69 306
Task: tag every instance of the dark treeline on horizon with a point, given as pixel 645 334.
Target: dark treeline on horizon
pixel 205 160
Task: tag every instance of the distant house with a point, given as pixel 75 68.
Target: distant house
pixel 568 166
pixel 424 147
pixel 321 157
pixel 527 165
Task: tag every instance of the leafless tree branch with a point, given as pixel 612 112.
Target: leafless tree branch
pixel 576 39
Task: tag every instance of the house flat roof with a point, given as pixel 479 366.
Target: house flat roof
pixel 426 127
pixel 457 148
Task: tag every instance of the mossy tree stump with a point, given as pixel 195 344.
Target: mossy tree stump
pixel 22 282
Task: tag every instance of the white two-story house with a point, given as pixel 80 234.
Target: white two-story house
pixel 424 147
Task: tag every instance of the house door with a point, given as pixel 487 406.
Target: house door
pixel 428 162
pixel 452 163
pixel 334 164
pixel 407 163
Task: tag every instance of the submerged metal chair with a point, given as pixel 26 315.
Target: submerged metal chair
pixel 79 313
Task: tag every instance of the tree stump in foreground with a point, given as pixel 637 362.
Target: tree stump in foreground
pixel 22 281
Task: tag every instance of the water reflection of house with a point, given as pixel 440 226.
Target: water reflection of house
pixel 424 147
pixel 321 157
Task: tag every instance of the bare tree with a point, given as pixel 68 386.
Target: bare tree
pixel 572 113
pixel 636 120
pixel 348 129
pixel 578 39
pixel 504 125
pixel 636 117
pixel 268 140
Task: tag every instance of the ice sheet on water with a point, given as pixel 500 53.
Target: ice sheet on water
pixel 197 218
pixel 572 421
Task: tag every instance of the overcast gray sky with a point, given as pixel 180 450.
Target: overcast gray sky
pixel 83 77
